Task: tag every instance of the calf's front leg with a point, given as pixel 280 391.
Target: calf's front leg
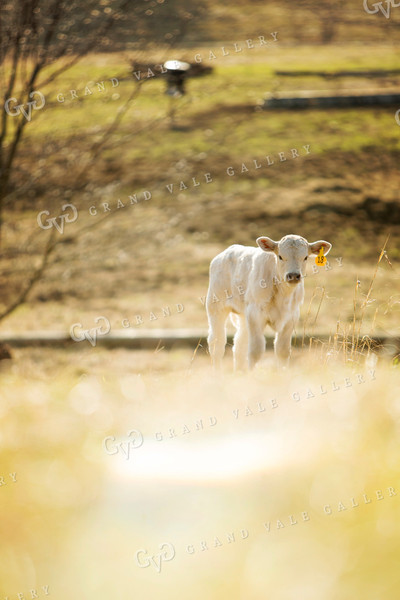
pixel 282 344
pixel 255 324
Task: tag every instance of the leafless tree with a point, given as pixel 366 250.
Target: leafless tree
pixel 35 34
pixel 39 41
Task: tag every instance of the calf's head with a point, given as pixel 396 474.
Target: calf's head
pixel 292 252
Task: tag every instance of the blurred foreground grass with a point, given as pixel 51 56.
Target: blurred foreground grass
pixel 280 462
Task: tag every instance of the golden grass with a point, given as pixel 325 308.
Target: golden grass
pixel 221 455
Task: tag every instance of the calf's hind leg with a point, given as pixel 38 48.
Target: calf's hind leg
pixel 240 343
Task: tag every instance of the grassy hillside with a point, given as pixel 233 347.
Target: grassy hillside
pixel 189 22
pixel 343 186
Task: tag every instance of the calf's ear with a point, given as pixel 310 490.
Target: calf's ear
pixel 315 247
pixel 267 244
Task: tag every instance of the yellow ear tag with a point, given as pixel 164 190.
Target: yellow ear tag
pixel 320 260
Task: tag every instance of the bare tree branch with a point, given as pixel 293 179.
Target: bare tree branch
pixel 37 34
pixel 50 246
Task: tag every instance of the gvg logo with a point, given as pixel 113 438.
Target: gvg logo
pixel 18 109
pixel 69 217
pixel 135 441
pixel 144 560
pixel 90 334
pixel 378 6
pixel 397 117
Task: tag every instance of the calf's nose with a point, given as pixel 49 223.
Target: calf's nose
pixel 293 277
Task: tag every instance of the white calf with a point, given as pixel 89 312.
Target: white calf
pixel 260 286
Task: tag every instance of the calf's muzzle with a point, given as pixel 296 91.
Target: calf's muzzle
pixel 293 277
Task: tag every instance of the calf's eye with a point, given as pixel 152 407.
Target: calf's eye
pixel 280 257
pixel 306 258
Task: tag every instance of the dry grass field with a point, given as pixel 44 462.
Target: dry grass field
pixel 133 259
